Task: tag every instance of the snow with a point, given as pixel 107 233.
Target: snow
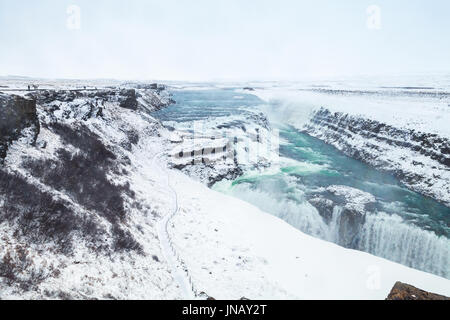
pixel 356 199
pixel 170 254
pixel 205 241
pixel 427 114
pixel 232 249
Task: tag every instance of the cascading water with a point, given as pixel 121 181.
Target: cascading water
pixel 381 234
pixel 388 236
pixel 396 224
pixel 287 209
pixel 333 234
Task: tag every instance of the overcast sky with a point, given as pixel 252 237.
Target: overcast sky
pixel 218 39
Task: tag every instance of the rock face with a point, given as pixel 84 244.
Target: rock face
pixel 323 205
pixel 143 96
pixel 16 114
pixel 345 209
pixel 127 99
pixel 403 291
pixel 420 160
pixel 224 148
pixel 209 160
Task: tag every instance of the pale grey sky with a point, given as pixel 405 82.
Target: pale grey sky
pixel 218 39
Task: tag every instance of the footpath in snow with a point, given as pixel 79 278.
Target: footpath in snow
pixel 234 250
pixel 179 275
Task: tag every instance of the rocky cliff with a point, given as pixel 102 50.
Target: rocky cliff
pixel 420 160
pixel 16 115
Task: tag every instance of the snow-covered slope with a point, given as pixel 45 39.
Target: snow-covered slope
pixel 234 250
pixel 76 219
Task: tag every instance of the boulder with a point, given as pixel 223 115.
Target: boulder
pixel 403 291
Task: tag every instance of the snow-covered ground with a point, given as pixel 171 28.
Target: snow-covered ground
pixel 215 244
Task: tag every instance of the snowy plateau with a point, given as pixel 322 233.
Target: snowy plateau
pixel 97 200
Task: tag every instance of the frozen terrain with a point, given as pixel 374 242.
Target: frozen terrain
pixel 309 184
pixel 101 200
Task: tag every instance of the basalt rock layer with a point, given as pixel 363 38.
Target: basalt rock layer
pixel 420 160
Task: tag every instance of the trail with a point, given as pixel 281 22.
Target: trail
pixel 179 273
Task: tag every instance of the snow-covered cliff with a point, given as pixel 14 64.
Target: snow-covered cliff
pixel 419 159
pixel 73 224
pixel 89 209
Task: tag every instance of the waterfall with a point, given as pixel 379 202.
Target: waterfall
pixel 301 215
pixel 333 227
pixel 382 234
pixel 390 237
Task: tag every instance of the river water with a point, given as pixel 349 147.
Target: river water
pixel 401 225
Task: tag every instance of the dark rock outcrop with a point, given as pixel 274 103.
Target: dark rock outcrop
pixel 48 96
pixel 232 174
pixel 403 291
pixel 127 99
pixel 205 296
pixel 431 145
pixel 16 114
pixel 345 207
pixel 324 206
pixel 350 225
